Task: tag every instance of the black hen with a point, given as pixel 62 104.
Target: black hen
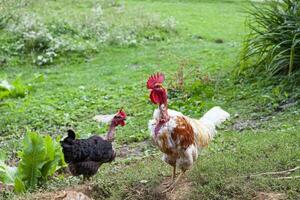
pixel 85 156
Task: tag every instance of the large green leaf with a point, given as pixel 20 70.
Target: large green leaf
pixel 32 159
pixel 19 186
pixel 62 162
pixel 53 157
pixel 40 157
pixel 50 147
pixel 49 168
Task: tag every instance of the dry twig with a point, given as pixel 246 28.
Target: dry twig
pixel 285 172
pixel 288 177
pixel 276 173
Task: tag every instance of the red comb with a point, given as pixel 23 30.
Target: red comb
pixel 154 79
pixel 122 113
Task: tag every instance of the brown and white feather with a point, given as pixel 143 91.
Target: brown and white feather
pixel 182 137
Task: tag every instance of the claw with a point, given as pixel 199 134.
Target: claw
pixel 168 184
pixel 172 186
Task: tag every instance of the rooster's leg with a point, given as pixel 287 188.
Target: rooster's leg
pixel 174 173
pixel 172 178
pixel 172 186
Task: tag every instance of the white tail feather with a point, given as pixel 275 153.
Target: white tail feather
pixel 103 118
pixel 215 116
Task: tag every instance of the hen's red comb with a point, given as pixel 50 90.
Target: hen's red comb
pixel 154 79
pixel 122 113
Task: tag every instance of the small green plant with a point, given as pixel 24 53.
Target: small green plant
pixel 7 173
pixel 40 157
pixel 16 89
pixel 274 40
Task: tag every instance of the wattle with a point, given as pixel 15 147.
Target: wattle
pixel 154 97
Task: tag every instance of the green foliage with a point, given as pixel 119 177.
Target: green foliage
pixel 54 157
pixel 75 91
pixel 274 40
pixel 7 173
pixel 8 12
pixel 19 186
pixel 32 159
pixel 16 89
pixel 40 158
pixel 104 22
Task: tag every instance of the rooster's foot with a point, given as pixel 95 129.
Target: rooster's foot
pixel 168 183
pixel 169 188
pixel 171 181
pixel 172 186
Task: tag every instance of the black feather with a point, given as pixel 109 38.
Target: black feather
pixel 71 134
pixel 85 156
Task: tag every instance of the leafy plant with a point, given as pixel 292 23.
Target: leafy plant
pixel 17 88
pixel 274 40
pixel 32 156
pixel 34 37
pixel 54 157
pixel 7 173
pixel 40 158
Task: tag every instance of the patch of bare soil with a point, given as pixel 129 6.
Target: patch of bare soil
pixel 7 188
pixel 284 105
pixel 141 191
pixel 241 125
pixel 252 124
pixel 71 195
pixel 134 150
pixel 78 192
pixel 180 192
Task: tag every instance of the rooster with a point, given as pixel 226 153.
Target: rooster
pixel 179 137
pixel 85 156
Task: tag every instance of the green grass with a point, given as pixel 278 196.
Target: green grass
pixel 104 74
pixel 77 87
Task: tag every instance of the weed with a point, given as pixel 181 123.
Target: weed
pixel 45 40
pixel 275 37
